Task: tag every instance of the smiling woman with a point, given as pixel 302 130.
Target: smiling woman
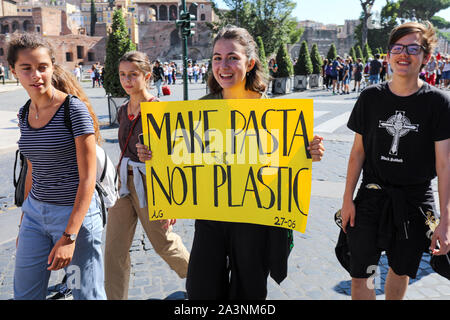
pixel 236 65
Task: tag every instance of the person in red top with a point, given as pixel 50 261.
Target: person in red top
pixel 135 72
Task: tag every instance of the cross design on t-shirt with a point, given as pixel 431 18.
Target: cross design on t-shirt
pixel 398 126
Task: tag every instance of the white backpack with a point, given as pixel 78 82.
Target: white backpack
pixel 106 181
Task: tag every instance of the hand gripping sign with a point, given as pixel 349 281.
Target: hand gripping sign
pixel 240 160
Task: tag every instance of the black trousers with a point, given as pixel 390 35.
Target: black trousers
pixel 228 261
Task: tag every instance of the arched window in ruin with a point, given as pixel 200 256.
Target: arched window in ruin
pixel 15 26
pixel 173 13
pixel 5 28
pixel 175 38
pixel 163 13
pixel 27 26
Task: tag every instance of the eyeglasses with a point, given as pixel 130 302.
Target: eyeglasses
pixel 411 49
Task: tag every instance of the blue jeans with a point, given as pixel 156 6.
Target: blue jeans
pixel 42 226
pixel 158 84
pixel 374 78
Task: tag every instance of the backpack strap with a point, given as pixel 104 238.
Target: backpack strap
pixel 25 110
pixel 67 120
pixel 105 167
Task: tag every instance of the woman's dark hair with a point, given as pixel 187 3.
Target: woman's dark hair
pixel 27 41
pixel 256 79
pixel 62 79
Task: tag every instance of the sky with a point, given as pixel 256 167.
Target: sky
pixel 335 11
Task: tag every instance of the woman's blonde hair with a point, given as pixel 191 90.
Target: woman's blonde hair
pixel 256 79
pixel 61 79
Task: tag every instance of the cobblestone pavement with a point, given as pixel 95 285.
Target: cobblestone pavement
pixel 314 272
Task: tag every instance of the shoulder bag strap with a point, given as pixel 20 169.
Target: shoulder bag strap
pixel 128 139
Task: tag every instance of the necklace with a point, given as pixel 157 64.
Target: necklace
pixel 51 100
pixel 131 115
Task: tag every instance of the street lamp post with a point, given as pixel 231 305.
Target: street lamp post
pixel 185 24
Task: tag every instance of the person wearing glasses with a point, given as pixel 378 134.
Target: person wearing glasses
pixel 402 142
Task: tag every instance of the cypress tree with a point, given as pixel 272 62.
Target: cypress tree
pixel 93 17
pixel 316 59
pixel 118 43
pixel 352 54
pixel 367 52
pixel 285 68
pixel 262 54
pixel 304 65
pixel 332 53
pixel 359 53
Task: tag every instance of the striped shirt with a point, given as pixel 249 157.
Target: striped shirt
pixel 51 150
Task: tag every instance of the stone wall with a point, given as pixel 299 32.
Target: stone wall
pixel 70 50
pixel 8 8
pixel 161 39
pixel 324 38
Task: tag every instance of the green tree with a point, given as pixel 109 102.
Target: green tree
pixel 117 44
pixel 93 17
pixel 359 53
pixel 440 23
pixel 316 59
pixel 262 54
pixel 304 66
pixel 285 68
pixel 352 54
pixel 367 52
pixel 421 10
pixel 332 53
pixel 270 19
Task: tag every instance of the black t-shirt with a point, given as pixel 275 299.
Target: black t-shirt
pixel 359 68
pixel 399 133
pixel 375 67
pixel 158 73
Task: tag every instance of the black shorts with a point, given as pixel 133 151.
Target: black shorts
pixel 404 255
pixel 358 77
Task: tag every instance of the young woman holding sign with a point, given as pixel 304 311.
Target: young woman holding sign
pixel 135 72
pixel 402 140
pixel 248 251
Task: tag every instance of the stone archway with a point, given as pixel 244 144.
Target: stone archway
pixel 5 28
pixel 175 39
pixel 27 26
pixel 194 54
pixel 163 13
pixel 173 14
pixel 15 26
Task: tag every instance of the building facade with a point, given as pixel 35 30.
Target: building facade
pixel 159 36
pixel 343 37
pixel 70 47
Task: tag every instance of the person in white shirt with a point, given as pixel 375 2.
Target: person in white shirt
pixel 77 73
pixel 190 72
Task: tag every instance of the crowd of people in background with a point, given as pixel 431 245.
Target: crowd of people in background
pixel 344 75
pixel 341 75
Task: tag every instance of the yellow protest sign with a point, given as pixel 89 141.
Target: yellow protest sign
pixel 240 160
